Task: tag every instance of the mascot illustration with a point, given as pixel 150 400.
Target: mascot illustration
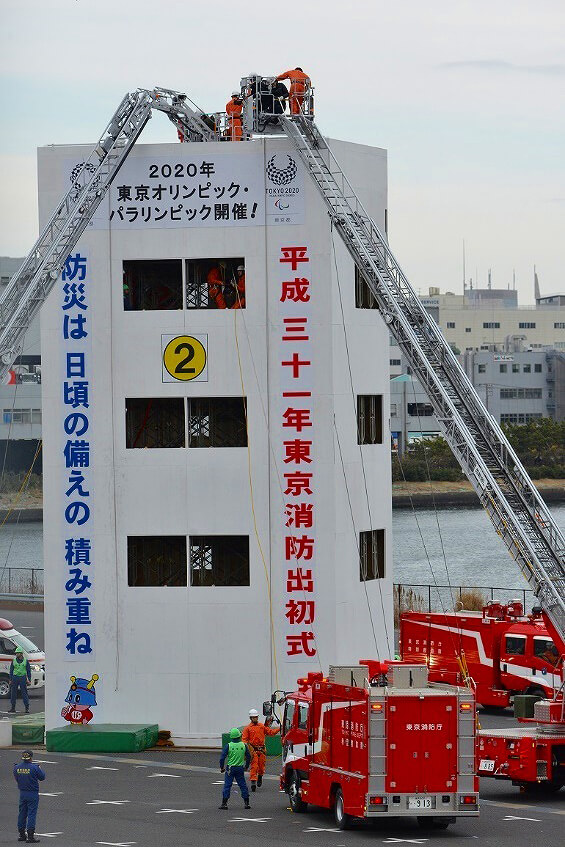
pixel 80 697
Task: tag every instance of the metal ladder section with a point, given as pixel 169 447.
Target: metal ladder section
pixel 28 289
pixel 516 509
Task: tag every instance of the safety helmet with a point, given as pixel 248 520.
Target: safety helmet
pixel 27 755
pixel 253 713
pixel 19 650
pixel 235 94
pixel 240 267
pixel 235 733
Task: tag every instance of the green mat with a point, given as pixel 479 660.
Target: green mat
pixel 272 742
pixel 28 729
pixel 102 738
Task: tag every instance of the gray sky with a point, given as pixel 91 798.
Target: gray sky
pixel 467 96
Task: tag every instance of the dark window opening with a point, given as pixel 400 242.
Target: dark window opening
pixel 302 716
pixel 420 410
pixel 155 422
pixel 216 422
pixel 215 284
pixel 219 560
pixel 152 284
pixel 371 554
pixel 364 297
pixel 155 560
pixel 369 419
pixel 515 645
pixel 288 716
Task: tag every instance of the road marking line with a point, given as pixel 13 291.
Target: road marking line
pixel 49 834
pixel 180 811
pixel 318 829
pixel 251 820
pixel 100 768
pixel 50 793
pixel 521 807
pixel 219 782
pixel 107 803
pixel 169 775
pixel 142 763
pixel 516 818
pixel 405 840
pixel 44 762
pixel 117 843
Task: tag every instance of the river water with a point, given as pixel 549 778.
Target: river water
pixel 455 546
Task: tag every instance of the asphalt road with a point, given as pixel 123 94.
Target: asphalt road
pixel 158 797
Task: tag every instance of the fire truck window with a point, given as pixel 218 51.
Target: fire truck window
pixel 545 649
pixel 152 284
pixel 302 716
pixel 515 646
pixel 288 716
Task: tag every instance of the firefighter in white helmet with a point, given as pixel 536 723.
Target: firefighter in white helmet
pixel 254 736
pixel 234 109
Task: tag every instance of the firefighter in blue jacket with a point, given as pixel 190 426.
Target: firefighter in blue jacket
pixel 28 775
pixel 238 760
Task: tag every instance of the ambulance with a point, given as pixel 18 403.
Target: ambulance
pixel 10 640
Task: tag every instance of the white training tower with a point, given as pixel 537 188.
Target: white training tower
pixel 218 565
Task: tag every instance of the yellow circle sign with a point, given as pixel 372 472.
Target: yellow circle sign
pixel 184 357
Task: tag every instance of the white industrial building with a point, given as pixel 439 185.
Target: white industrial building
pixel 218 566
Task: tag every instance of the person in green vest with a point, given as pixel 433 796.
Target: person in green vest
pixel 20 677
pixel 238 760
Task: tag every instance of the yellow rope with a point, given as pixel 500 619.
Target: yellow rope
pixel 249 473
pixel 23 485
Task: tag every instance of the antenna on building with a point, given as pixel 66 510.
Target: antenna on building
pixel 513 279
pixel 537 294
pixel 489 284
pixel 463 267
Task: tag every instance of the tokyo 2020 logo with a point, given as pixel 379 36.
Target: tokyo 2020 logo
pixel 89 171
pixel 281 176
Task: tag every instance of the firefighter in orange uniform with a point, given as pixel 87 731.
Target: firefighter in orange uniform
pixel 216 287
pixel 254 736
pixel 299 84
pixel 240 288
pixel 234 110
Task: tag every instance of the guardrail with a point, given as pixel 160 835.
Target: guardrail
pixel 21 581
pixel 426 597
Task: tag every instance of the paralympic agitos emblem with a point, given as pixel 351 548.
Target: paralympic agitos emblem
pixel 281 176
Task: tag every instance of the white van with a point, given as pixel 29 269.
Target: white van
pixel 10 639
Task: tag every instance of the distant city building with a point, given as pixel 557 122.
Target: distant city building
pixel 20 395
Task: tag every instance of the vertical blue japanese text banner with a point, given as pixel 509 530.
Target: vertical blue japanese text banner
pixel 77 552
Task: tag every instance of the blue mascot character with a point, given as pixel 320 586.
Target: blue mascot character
pixel 80 697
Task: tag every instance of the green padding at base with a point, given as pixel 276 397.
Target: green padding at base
pixel 272 742
pixel 102 738
pixel 28 733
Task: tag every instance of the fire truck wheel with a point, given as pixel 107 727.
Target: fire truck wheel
pixel 433 823
pixel 342 819
pixel 297 804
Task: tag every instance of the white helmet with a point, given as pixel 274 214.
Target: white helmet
pixel 253 713
pixel 235 94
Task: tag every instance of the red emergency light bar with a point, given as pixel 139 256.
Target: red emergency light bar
pixel 465 707
pixel 376 707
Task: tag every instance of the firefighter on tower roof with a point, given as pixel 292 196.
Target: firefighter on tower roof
pixel 234 109
pixel 238 759
pixel 299 85
pixel 254 736
pixel 28 775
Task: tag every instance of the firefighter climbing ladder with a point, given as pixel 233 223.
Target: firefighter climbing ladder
pixel 512 502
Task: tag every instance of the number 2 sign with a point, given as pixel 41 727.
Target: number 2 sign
pixel 185 357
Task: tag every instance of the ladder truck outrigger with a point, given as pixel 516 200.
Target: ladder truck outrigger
pixel 520 516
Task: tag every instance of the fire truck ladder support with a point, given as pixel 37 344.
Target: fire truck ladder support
pixel 519 514
pixel 29 288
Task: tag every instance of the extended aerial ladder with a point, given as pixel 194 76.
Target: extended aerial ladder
pixel 518 513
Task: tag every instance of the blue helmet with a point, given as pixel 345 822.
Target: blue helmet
pixel 82 691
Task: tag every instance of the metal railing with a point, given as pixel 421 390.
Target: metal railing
pixel 21 581
pixel 426 597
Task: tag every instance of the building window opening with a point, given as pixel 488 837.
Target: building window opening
pixel 370 419
pixel 371 555
pixel 219 560
pixel 419 410
pixel 217 422
pixel 157 560
pixel 482 369
pixel 364 297
pixel 215 284
pixel 152 284
pixel 155 422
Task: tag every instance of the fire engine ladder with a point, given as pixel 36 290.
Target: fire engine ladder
pixel 511 500
pixel 27 290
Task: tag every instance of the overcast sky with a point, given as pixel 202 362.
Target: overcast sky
pixel 467 97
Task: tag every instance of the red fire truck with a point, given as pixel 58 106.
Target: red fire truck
pixel 502 650
pixel 377 740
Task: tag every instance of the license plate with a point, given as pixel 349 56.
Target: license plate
pixel 487 765
pixel 420 803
